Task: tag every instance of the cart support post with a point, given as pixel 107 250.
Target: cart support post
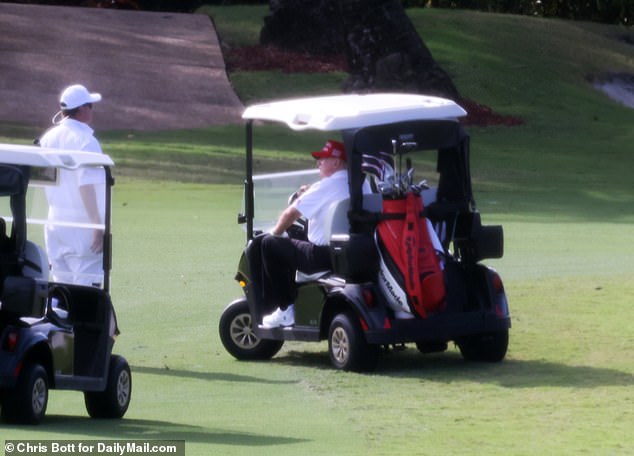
pixel 248 181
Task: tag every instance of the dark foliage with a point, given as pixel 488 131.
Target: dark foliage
pixel 184 6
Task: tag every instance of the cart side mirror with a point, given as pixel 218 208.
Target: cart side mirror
pixel 476 242
pixel 489 242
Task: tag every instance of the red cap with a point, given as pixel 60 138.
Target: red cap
pixel 332 149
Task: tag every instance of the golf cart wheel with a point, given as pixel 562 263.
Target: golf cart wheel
pixel 238 337
pixel 347 346
pixel 487 347
pixel 27 402
pixel 113 402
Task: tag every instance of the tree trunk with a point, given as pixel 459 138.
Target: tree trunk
pixel 385 52
pixel 383 49
pixel 311 26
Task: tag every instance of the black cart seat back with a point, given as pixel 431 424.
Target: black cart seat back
pixel 14 181
pixel 35 262
pixel 13 185
pixel 353 255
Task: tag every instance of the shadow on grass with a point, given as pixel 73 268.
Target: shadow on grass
pixel 207 376
pixel 450 367
pixel 130 429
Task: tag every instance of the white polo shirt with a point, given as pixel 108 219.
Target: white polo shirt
pixel 64 200
pixel 314 203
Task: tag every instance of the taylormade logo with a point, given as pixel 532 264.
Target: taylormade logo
pixel 390 287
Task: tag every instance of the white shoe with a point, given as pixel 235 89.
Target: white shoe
pixel 280 318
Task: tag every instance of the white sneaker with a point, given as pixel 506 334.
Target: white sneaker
pixel 280 318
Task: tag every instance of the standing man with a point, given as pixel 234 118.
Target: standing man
pixel 75 253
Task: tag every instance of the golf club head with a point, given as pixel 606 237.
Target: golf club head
pixel 387 157
pixel 418 188
pixel 388 171
pixel 372 170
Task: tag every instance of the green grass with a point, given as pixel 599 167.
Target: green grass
pixel 564 388
pixel 560 184
pixel 236 25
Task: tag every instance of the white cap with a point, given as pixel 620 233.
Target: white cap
pixel 77 95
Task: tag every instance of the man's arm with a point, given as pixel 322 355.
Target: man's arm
pixel 89 198
pixel 287 218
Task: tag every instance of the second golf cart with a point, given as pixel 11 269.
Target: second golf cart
pixel 56 332
pixel 378 292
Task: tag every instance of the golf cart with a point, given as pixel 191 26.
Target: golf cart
pixel 54 334
pixel 380 292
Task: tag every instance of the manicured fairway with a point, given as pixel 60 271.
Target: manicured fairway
pixel 564 388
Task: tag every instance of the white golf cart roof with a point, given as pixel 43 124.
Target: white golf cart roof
pixel 340 112
pixel 15 154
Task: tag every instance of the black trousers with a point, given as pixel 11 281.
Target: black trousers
pixel 279 259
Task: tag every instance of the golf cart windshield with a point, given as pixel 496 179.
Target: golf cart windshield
pixel 48 219
pixel 272 192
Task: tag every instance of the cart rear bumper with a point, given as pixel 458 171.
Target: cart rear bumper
pixel 437 328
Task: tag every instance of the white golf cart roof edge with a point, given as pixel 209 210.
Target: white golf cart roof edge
pixel 18 154
pixel 341 112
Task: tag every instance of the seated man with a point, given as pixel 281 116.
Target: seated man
pixel 282 256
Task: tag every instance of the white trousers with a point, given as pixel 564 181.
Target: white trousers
pixel 71 259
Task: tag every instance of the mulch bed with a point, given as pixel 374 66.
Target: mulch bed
pixel 266 58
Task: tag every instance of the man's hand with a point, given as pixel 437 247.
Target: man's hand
pixel 297 194
pixel 97 241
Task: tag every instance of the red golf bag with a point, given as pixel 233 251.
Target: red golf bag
pixel 410 274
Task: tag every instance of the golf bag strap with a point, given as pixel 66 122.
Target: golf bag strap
pixel 411 240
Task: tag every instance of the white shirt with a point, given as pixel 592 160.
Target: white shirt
pixel 64 200
pixel 314 203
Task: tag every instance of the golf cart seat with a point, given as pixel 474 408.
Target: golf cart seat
pixel 337 228
pixel 4 239
pixel 337 223
pixel 35 261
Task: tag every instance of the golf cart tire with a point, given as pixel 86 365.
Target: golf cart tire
pixel 487 347
pixel 26 403
pixel 113 402
pixel 238 337
pixel 347 346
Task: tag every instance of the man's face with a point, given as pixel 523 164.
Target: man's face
pixel 84 113
pixel 328 166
